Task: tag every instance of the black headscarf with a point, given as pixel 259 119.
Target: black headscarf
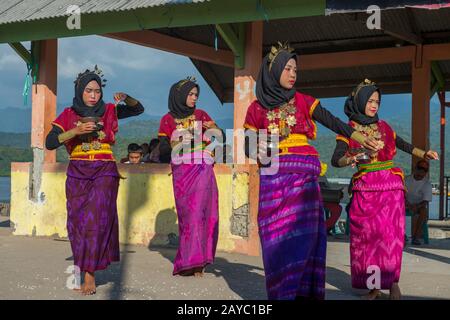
pixel 78 104
pixel 269 92
pixel 355 105
pixel 177 99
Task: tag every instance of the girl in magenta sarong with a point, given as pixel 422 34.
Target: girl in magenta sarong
pixel 194 183
pixel 377 209
pixel 290 216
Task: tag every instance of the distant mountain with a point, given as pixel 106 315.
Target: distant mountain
pixel 139 129
pixel 325 144
pixel 15 120
pixel 145 127
pixel 16 140
pixel 12 154
pixel 18 119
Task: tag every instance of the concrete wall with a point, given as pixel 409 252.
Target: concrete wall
pixel 146 206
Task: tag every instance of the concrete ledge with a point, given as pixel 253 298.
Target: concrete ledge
pixel 439 224
pixel 146 206
pixel 156 168
pixel 438 229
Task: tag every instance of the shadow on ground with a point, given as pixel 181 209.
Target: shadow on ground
pixel 245 280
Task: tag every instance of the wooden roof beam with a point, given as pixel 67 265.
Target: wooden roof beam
pixel 357 58
pixel 152 39
pixel 21 51
pixel 405 36
pixel 211 78
pixel 436 52
pixel 235 41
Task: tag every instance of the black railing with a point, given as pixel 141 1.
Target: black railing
pixel 446 197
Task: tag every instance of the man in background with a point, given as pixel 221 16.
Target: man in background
pixel 418 195
pixel 135 153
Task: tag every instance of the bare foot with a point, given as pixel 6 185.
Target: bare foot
pixel 198 272
pixel 187 273
pixel 88 287
pixel 394 293
pixel 372 295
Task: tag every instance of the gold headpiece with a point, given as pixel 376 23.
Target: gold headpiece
pixel 275 51
pixel 183 82
pixel 365 83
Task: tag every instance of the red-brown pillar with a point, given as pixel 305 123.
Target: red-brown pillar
pixel 244 84
pixel 43 110
pixel 421 74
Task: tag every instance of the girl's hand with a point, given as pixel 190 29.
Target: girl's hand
pixel 431 155
pixel 371 144
pixel 83 128
pixel 120 96
pixel 353 160
pixel 208 124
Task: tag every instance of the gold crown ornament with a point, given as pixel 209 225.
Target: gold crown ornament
pixel 183 82
pixel 275 51
pixel 365 83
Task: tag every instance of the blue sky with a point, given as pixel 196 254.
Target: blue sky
pixel 144 73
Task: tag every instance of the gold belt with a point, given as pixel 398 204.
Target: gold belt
pixel 376 166
pixel 88 149
pixel 293 140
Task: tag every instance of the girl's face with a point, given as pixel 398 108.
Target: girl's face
pixel 373 104
pixel 91 94
pixel 289 75
pixel 192 97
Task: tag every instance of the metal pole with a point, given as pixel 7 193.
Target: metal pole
pixel 446 197
pixel 441 95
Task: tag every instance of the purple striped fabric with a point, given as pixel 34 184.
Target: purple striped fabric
pixel 92 222
pixel 292 230
pixel 197 202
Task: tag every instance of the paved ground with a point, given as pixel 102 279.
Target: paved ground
pixel 34 268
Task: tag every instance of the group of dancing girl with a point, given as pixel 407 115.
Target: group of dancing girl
pixel 290 217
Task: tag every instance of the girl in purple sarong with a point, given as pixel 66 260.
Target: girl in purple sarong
pixel 194 183
pixel 377 209
pixel 87 129
pixel 291 218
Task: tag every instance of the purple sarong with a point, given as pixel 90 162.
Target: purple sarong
pixel 196 198
pixel 377 229
pixel 292 229
pixel 92 222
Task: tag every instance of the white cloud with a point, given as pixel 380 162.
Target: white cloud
pixel 144 73
pixel 9 60
pixel 69 66
pixel 114 57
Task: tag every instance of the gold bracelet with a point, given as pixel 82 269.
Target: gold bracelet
pixel 419 153
pixel 358 137
pixel 131 101
pixel 343 162
pixel 66 136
